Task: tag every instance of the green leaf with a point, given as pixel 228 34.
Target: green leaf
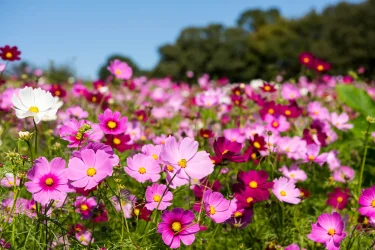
pixel 356 98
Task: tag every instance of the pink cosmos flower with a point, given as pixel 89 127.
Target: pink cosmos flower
pixel 277 124
pixel 367 202
pixel 8 180
pixel 6 98
pixel 85 206
pixel 234 135
pixel 120 70
pixel 152 150
pixel 143 168
pixel 338 199
pixel 125 204
pixel 241 217
pixel 316 111
pixel 294 148
pixel 79 132
pixel 157 197
pixel 77 112
pixel 294 173
pixel 343 174
pixel 112 123
pixel 177 225
pixel 341 121
pixel 290 91
pixel 48 180
pixel 332 160
pixel 286 191
pixel 292 247
pixel 86 172
pixel 84 238
pixel 312 155
pixel 217 207
pixel 184 157
pixel 328 230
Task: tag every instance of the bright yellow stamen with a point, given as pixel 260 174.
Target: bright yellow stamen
pixel 84 207
pixel 176 226
pixel 339 199
pixel 143 138
pixel 34 109
pixel 8 55
pixel 155 156
pixel 170 168
pixel 282 193
pixel 225 151
pixel 205 135
pixel 316 113
pixel 140 117
pixel 330 179
pixel 331 231
pixel 237 214
pixel 253 156
pixel 182 163
pixel 253 184
pixel 49 182
pixel 212 210
pixel 301 194
pixel 237 92
pixel 91 172
pixel 320 67
pixel 311 158
pixel 157 198
pixel 116 141
pixel 292 175
pixel 275 124
pixel 142 170
pixel 94 99
pixel 271 111
pixel 287 112
pixel 373 203
pixel 257 145
pixel 365 221
pixel 57 93
pixel 111 124
pixel 137 211
pixel 118 72
pixel 306 60
pixel 267 88
pixel 249 200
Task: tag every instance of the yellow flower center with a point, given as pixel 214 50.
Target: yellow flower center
pixel 311 158
pixel 137 211
pixel 267 88
pixel 365 221
pixel 11 183
pixel 118 72
pixel 182 163
pixel 143 138
pixel 116 141
pixel 34 109
pixel 253 184
pixel 249 200
pixel 57 93
pixel 140 117
pixel 91 172
pixel 257 145
pixel 225 151
pixel 237 214
pixel 292 175
pixel 275 124
pixel 282 193
pixel 373 203
pixel 271 111
pixel 212 210
pixel 205 135
pixel 330 179
pixel 306 60
pixel 176 226
pixel 301 194
pixel 320 67
pixel 253 156
pixel 94 99
pixel 237 92
pixel 84 207
pixel 8 55
pixel 142 170
pixel 111 124
pixel 157 198
pixel 331 231
pixel 339 199
pixel 49 181
pixel 287 112
pixel 170 168
pixel 155 156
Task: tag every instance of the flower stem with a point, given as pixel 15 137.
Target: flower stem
pixel 363 160
pixel 36 139
pixel 213 236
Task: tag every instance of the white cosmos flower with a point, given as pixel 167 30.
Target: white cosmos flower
pixel 36 103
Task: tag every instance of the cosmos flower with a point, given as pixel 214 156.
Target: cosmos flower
pixel 36 103
pixel 276 124
pixel 157 197
pixel 143 168
pixel 86 172
pixel 267 87
pixel 343 174
pixel 177 225
pixel 48 180
pixel 338 199
pixel 120 70
pixel 112 123
pixel 307 59
pixel 256 180
pixel 217 207
pixel 152 150
pixel 85 206
pixel 184 157
pixel 328 230
pixel 312 155
pixel 286 191
pixel 121 142
pixel 8 180
pixel 294 173
pixel 290 91
pixel 340 121
pixel 367 202
pixel 8 53
pixel 240 218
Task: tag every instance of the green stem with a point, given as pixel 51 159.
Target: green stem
pixel 363 160
pixel 213 236
pixel 36 139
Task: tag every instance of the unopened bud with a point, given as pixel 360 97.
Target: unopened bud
pixel 26 136
pixel 370 119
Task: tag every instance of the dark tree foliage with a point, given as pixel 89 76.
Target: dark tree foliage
pixel 264 44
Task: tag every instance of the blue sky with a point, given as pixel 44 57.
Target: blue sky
pixel 84 33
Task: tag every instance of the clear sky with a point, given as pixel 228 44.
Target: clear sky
pixel 84 33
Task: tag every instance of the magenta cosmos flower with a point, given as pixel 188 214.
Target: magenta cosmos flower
pixel 367 202
pixel 86 172
pixel 48 181
pixel 217 207
pixel 157 197
pixel 143 168
pixel 112 123
pixel 256 180
pixel 184 157
pixel 338 199
pixel 286 191
pixel 120 70
pixel 177 225
pixel 85 206
pixel 277 124
pixel 328 230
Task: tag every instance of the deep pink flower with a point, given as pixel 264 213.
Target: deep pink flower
pixel 120 70
pixel 85 206
pixel 48 180
pixel 157 197
pixel 177 225
pixel 86 172
pixel 112 123
pixel 339 198
pixel 286 191
pixel 217 207
pixel 184 157
pixel 328 230
pixel 257 180
pixel 240 217
pixel 121 142
pixel 143 168
pixel 367 202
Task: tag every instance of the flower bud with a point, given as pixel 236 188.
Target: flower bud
pixel 25 135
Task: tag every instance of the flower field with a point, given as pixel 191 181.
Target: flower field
pixel 146 163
